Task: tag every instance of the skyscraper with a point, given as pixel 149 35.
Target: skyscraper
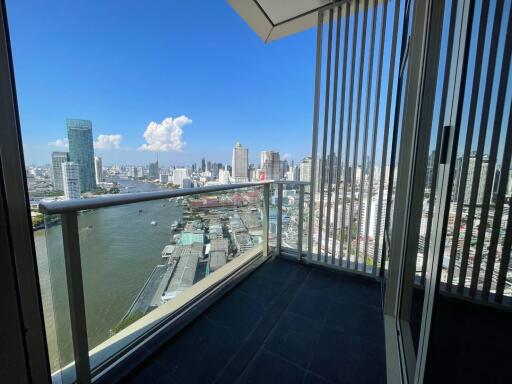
pixel 81 151
pixel 271 165
pixel 57 159
pixel 179 175
pixel 153 170
pixel 98 169
pixel 203 165
pixel 240 163
pixel 293 174
pixel 305 169
pixel 482 177
pixel 283 168
pixel 71 180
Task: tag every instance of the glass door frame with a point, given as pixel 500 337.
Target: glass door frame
pixel 422 60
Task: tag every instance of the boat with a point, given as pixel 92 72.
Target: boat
pixel 140 210
pixel 154 223
pixel 88 227
pixel 174 226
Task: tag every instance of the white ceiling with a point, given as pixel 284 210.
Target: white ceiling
pixel 274 19
pixel 280 11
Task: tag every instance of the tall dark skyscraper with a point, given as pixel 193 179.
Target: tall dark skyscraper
pixel 81 151
pixel 203 165
pixel 154 170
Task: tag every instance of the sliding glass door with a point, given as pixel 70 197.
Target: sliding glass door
pixel 450 244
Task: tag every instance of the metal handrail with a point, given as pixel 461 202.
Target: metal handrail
pixel 62 206
pixel 67 210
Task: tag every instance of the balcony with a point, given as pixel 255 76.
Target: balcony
pixel 391 263
pixel 273 310
pixel 264 312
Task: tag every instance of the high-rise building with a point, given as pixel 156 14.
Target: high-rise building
pixel 57 159
pixel 164 178
pixel 224 176
pixel 98 169
pixel 482 176
pixel 81 151
pixel 283 168
pixel 293 174
pixel 71 180
pixel 203 165
pixel 153 170
pixel 271 165
pixel 215 170
pixel 305 169
pixel 430 169
pixel 250 172
pixel 456 178
pixel 132 172
pixel 240 163
pixel 179 175
pixel 496 181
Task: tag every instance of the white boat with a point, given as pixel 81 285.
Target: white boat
pixel 154 223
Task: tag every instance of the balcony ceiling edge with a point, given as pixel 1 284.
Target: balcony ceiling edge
pixel 273 20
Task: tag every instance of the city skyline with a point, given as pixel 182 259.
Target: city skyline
pixel 112 86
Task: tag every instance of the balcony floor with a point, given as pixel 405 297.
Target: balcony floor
pixel 285 323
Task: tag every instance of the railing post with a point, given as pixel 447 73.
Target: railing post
pixel 279 218
pixel 266 204
pixel 300 223
pixel 72 259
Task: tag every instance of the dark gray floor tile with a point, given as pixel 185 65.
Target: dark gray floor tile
pixel 263 289
pixel 294 337
pixel 279 270
pixel 238 312
pixel 322 280
pixel 206 342
pixel 343 358
pixel 357 319
pixel 359 290
pixel 270 368
pixel 314 379
pixel 311 304
pixel 153 374
pixel 270 328
pixel 203 341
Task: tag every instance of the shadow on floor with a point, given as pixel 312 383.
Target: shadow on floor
pixel 285 323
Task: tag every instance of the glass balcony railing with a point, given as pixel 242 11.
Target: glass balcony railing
pixel 115 269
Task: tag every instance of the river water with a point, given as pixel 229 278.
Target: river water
pixel 119 248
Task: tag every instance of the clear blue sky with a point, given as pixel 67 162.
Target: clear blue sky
pixel 125 64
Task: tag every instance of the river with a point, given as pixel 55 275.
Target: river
pixel 119 248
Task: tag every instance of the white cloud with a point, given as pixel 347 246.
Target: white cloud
pixel 165 136
pixel 59 143
pixel 108 142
